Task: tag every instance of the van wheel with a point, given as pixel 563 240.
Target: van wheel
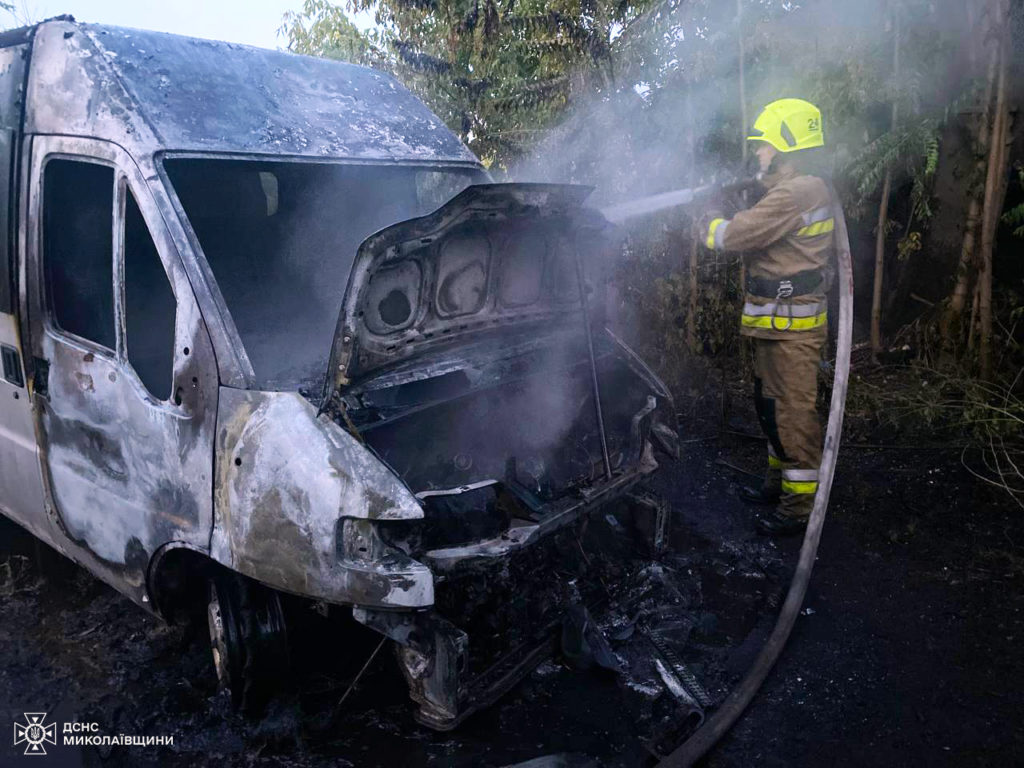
pixel 249 640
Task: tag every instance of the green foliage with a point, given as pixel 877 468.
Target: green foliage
pixel 499 74
pixel 1015 216
pixel 909 245
pixel 849 73
pixel 322 29
pixel 912 149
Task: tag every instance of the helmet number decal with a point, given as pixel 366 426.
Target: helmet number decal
pixel 813 124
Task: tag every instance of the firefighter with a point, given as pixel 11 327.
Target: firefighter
pixel 787 241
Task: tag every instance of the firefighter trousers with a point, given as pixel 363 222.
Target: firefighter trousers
pixel 785 396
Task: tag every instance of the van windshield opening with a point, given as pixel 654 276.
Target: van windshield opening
pixel 280 238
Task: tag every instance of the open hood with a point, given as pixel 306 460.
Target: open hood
pixel 493 257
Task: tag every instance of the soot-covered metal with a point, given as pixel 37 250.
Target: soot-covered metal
pixel 478 394
pixel 433 476
pixel 209 96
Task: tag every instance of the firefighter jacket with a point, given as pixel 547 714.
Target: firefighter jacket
pixel 788 240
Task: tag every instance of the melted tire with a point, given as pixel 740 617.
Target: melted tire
pixel 249 641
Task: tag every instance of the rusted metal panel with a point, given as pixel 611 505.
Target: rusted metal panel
pixel 296 497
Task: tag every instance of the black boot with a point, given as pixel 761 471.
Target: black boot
pixel 759 495
pixel 775 523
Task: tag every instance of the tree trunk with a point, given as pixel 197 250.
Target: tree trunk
pixel 958 299
pixel 989 213
pixel 876 293
pixel 951 322
pixel 883 209
pixel 972 327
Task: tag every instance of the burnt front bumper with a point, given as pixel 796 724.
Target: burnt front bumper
pixel 433 655
pixel 521 574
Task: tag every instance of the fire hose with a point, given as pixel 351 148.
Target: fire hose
pixel 723 719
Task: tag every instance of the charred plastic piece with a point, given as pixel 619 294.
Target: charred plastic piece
pixel 583 644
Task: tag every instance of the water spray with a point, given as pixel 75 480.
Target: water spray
pixel 644 206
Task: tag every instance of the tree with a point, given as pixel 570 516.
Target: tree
pixel 995 189
pixel 883 207
pixel 322 29
pixel 498 74
pixel 19 14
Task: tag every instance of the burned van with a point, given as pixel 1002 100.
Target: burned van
pixel 268 329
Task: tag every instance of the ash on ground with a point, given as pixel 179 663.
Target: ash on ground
pixel 895 571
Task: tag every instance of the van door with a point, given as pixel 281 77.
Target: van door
pixel 21 487
pixel 124 381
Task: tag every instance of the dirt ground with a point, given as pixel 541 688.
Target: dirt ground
pixel 907 651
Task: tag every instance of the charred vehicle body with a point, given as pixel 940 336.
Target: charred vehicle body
pixel 268 329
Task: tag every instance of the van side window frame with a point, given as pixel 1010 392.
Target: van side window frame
pixel 50 314
pixel 124 182
pixel 123 188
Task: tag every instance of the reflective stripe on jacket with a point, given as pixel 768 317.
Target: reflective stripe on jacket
pixel 784 316
pixel 787 232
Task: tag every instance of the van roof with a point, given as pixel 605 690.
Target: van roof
pixel 191 94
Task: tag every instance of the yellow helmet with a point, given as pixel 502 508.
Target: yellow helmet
pixel 789 125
